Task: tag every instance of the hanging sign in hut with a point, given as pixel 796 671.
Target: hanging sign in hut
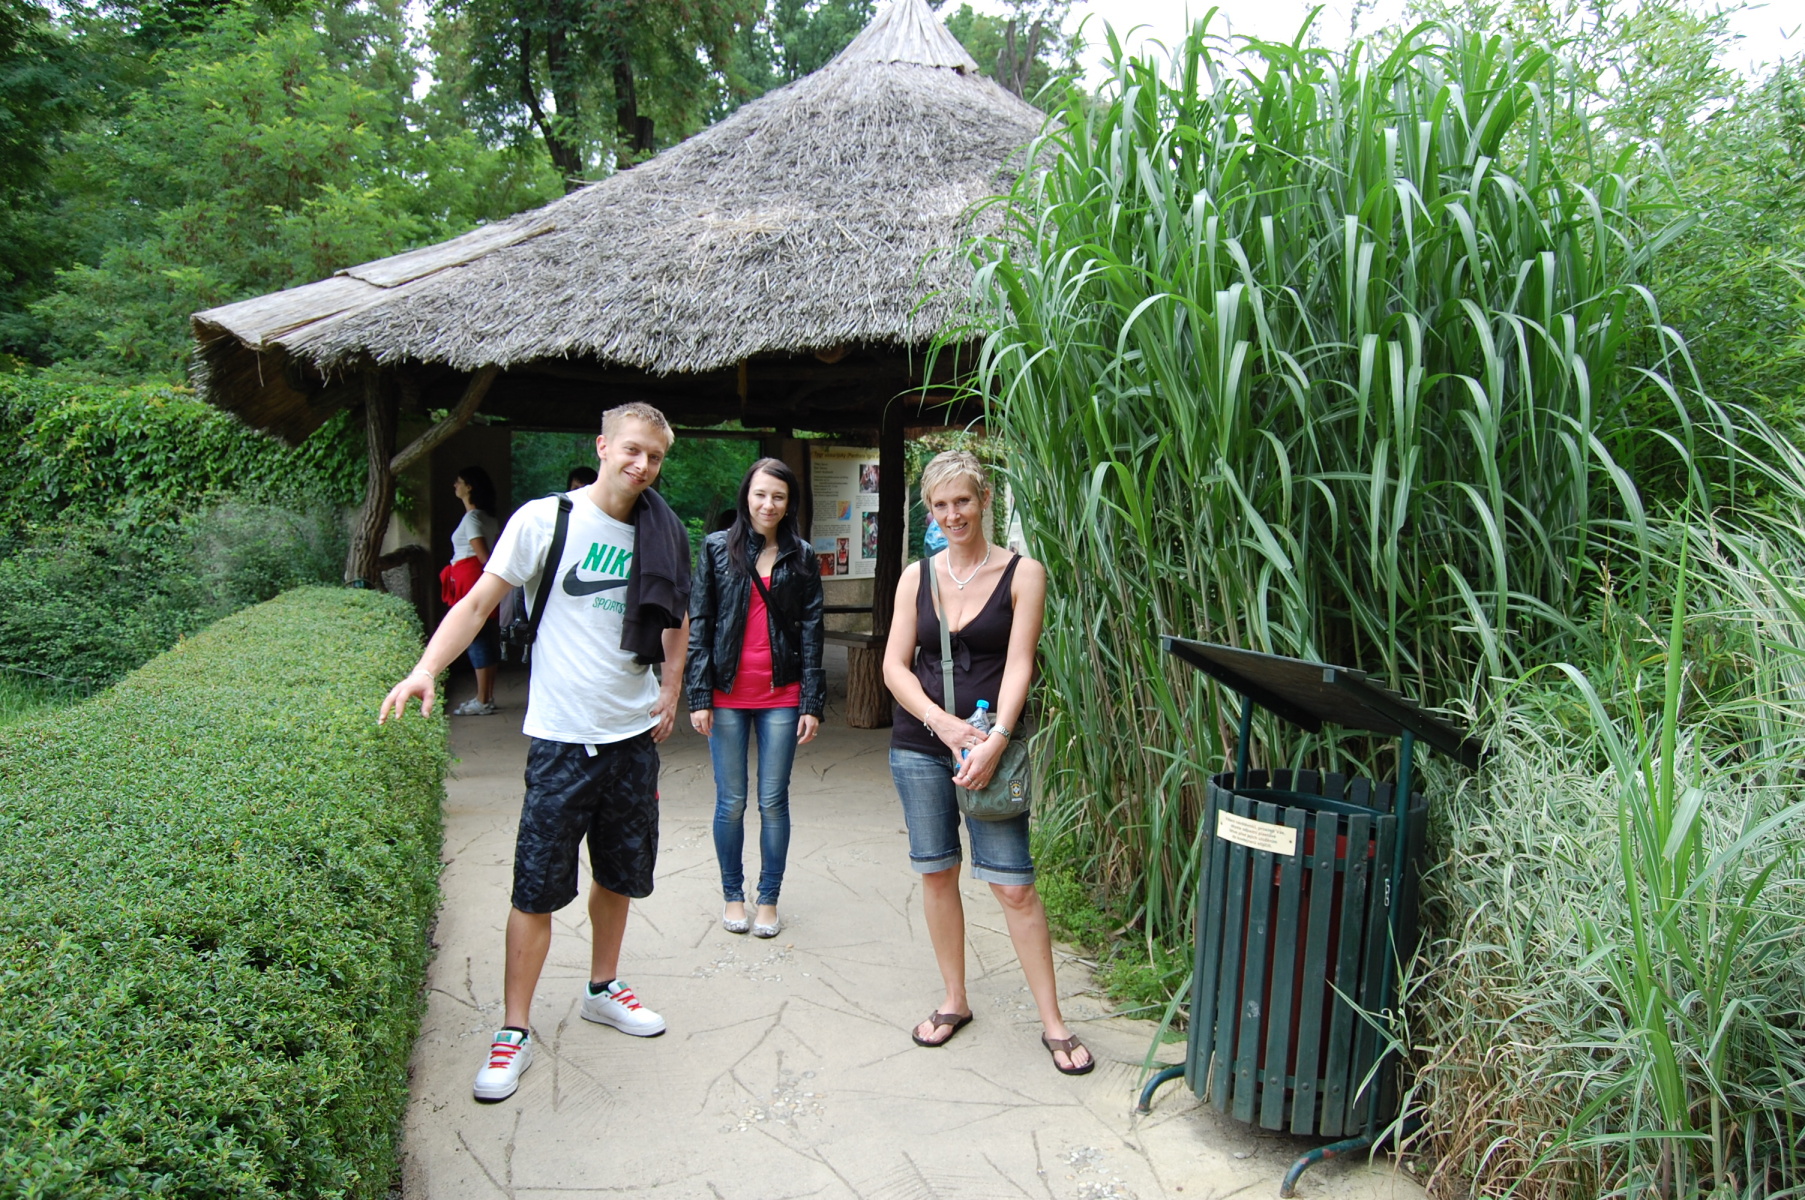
pixel 845 509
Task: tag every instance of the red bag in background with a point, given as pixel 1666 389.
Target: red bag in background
pixel 456 580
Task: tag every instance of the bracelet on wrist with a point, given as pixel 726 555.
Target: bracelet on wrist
pixel 1002 731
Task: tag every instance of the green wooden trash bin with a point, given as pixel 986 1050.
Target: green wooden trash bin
pixel 1306 908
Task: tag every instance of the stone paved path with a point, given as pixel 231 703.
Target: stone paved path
pixel 788 1069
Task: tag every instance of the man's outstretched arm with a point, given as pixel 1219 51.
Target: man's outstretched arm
pixel 452 638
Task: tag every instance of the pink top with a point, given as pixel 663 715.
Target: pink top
pixel 752 682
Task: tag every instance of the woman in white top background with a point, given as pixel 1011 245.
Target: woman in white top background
pixel 471 542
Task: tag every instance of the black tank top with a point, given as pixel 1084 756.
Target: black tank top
pixel 980 651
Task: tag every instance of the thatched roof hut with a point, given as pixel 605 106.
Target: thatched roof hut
pixel 783 268
pixel 824 216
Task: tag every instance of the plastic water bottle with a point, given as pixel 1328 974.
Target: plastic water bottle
pixel 979 721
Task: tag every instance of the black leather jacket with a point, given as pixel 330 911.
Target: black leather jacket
pixel 718 600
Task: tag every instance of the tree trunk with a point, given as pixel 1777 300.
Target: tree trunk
pixel 635 130
pixel 1013 62
pixel 868 702
pixel 372 520
pixel 564 153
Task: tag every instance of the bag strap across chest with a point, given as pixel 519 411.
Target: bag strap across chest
pixel 946 637
pixel 548 574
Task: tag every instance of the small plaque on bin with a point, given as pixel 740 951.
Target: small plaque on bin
pixel 1256 835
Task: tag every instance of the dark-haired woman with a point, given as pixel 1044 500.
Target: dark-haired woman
pixel 471 542
pixel 754 670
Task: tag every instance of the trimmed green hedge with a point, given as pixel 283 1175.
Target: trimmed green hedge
pixel 215 886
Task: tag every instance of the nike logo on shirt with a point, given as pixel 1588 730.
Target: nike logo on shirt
pixel 588 587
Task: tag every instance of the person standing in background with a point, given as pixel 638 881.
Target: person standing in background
pixel 471 542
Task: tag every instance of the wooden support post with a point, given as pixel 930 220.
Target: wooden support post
pixel 372 520
pixel 868 702
pixel 456 419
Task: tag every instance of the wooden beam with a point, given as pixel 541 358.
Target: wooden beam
pixel 892 505
pixel 456 419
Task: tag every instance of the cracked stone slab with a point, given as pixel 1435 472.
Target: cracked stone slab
pixel 787 1072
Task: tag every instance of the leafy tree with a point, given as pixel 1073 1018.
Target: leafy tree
pixel 791 39
pixel 50 79
pixel 1023 51
pixel 806 34
pixel 590 81
pixel 270 154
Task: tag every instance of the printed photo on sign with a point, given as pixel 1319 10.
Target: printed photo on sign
pixel 868 543
pixel 845 501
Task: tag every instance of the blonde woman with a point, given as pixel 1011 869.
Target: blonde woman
pixel 994 603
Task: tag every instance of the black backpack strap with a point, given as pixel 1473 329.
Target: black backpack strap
pixel 549 572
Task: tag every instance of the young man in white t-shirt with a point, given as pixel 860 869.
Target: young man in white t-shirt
pixel 595 713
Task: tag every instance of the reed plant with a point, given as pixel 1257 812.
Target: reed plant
pixel 1340 355
pixel 1347 355
pixel 1613 1005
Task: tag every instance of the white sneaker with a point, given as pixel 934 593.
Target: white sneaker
pixel 473 708
pixel 619 1007
pixel 510 1055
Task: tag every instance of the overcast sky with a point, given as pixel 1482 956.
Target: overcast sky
pixel 1768 31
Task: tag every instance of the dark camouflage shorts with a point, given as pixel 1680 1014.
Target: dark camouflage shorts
pixel 611 799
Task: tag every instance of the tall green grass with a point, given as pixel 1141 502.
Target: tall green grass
pixel 1615 1004
pixel 1347 355
pixel 1327 355
pixel 24 695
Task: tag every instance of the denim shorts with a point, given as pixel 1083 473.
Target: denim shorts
pixel 609 799
pixel 999 849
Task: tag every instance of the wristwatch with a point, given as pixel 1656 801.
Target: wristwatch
pixel 1002 730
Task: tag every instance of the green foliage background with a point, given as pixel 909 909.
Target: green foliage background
pixel 130 516
pixel 170 852
pixel 153 450
pixel 157 159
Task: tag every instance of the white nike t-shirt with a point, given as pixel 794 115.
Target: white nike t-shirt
pixel 585 689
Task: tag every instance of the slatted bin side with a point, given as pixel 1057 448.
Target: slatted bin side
pixel 1284 939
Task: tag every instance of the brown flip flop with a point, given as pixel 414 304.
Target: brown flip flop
pixel 942 1019
pixel 1067 1045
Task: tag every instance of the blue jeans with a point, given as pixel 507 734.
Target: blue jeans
pixel 930 803
pixel 727 745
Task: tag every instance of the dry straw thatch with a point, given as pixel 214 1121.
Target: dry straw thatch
pixel 826 213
